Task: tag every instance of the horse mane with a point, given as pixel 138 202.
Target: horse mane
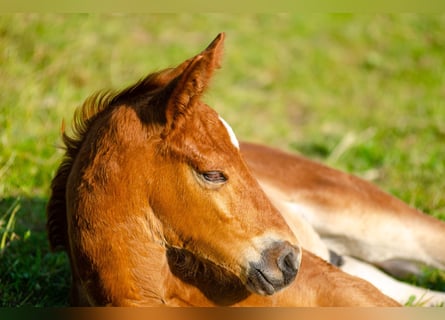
pixel 84 117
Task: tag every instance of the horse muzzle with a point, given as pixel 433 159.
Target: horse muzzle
pixel 277 267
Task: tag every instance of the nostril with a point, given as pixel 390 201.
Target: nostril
pixel 288 263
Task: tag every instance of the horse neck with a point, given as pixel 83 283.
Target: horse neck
pixel 108 212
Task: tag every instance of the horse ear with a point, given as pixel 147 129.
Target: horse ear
pixel 186 89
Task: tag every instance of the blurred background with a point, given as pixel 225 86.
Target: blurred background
pixel 362 93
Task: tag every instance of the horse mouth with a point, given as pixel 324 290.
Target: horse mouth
pixel 257 282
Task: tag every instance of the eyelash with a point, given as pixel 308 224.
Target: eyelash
pixel 214 176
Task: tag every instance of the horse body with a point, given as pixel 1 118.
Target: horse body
pixel 155 205
pixel 353 216
pixel 335 211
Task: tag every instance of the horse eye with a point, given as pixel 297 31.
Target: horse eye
pixel 214 176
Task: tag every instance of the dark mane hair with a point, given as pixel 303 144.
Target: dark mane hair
pixel 216 283
pixel 84 117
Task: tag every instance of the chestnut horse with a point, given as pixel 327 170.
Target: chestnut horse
pixel 155 205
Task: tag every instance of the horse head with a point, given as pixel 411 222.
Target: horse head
pixel 158 161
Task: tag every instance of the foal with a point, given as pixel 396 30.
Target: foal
pixel 155 206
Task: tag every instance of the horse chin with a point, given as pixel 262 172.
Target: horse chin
pixel 216 283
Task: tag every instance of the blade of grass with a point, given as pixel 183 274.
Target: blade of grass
pixel 7 165
pixel 8 230
pixel 349 141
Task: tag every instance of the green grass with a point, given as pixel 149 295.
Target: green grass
pixel 362 93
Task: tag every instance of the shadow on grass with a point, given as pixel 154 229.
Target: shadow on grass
pixel 30 274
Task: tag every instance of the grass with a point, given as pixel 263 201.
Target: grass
pixel 363 93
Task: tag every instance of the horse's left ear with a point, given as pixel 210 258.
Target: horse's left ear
pixel 186 90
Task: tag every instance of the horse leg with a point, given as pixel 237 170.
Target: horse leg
pixel 400 291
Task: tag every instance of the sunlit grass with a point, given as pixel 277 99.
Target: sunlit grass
pixel 362 93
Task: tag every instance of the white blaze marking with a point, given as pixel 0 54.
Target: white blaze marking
pixel 232 135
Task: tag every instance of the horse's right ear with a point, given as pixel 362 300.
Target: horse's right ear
pixel 183 92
